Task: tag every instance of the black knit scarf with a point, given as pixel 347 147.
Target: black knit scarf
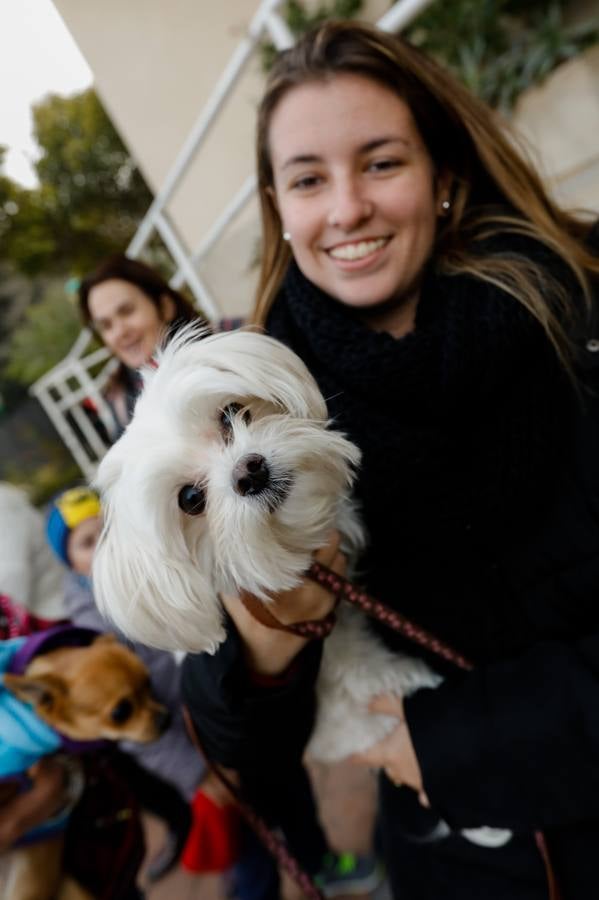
pixel 458 421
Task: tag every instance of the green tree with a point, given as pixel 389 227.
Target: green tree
pixel 88 203
pixel 90 196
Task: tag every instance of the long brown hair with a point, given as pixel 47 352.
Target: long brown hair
pixel 494 188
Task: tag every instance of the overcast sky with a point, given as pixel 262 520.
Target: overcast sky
pixel 37 56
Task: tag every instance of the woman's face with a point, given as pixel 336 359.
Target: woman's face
pixel 356 189
pixel 127 321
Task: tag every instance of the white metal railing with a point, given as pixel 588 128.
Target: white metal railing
pixel 61 390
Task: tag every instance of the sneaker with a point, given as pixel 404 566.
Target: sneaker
pixel 346 873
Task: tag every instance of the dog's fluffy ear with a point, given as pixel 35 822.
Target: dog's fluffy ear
pixel 44 692
pixel 152 595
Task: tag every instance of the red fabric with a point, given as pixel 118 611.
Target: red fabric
pixel 213 843
pixel 16 621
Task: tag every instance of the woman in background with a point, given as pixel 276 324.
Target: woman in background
pixel 131 308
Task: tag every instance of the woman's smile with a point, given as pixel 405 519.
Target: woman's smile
pixel 358 254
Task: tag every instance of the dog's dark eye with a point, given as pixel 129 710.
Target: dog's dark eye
pixel 228 414
pixel 192 499
pixel 122 712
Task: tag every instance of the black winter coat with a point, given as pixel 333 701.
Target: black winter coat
pixel 480 491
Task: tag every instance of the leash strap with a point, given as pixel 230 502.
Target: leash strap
pixel 311 628
pixel 554 891
pixel 273 843
pixel 344 589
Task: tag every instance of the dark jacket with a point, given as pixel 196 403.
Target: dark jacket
pixel 480 492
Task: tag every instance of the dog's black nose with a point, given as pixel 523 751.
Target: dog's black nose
pixel 251 475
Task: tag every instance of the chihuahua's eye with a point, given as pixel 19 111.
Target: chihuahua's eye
pixel 228 414
pixel 122 712
pixel 192 499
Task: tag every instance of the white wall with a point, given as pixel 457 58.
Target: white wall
pixel 560 120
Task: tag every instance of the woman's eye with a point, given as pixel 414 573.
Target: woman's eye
pixel 228 414
pixel 122 712
pixel 192 499
pixel 306 182
pixel 383 165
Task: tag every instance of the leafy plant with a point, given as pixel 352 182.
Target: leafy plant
pixel 499 48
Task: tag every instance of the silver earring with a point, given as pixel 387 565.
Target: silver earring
pixel 446 205
pixel 286 236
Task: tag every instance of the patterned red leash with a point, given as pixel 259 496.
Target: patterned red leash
pixel 343 589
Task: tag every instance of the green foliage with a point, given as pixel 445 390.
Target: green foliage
pixel 90 196
pixel 10 204
pixel 300 19
pixel 499 48
pixel 45 335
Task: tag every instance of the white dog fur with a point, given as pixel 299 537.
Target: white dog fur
pixel 209 406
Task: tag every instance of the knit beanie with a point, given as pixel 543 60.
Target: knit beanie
pixel 67 511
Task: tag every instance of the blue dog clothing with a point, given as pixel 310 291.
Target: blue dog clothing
pixel 24 737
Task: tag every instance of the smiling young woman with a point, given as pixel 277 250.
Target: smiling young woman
pixel 441 299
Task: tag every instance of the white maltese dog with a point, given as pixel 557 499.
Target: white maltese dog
pixel 228 478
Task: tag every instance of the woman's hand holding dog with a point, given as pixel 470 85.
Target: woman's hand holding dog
pixel 395 754
pixel 269 651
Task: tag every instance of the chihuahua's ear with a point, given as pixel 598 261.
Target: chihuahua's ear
pixel 107 638
pixel 43 692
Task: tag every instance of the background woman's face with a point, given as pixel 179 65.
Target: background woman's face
pixel 127 321
pixel 355 187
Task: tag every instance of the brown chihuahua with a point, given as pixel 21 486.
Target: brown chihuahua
pixel 96 692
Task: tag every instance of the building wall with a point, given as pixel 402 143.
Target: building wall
pixel 560 121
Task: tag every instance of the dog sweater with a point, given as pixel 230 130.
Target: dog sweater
pixel 24 737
